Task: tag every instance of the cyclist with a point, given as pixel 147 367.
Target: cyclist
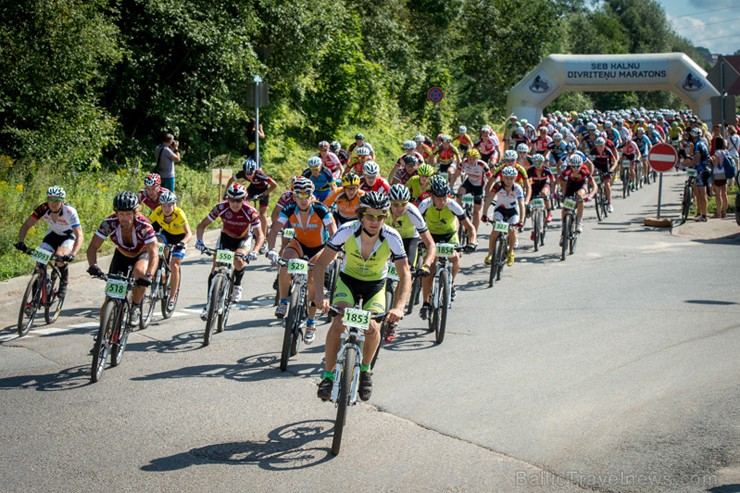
pixel 510 159
pixel 522 156
pixel 476 174
pixel 541 178
pixel 410 168
pixel 488 145
pixel 644 144
pixel 346 199
pixel 311 221
pixel 518 137
pixel 408 221
pixel 359 143
pixel 330 160
pixel 368 244
pixel 358 160
pixel 509 208
pixel 259 188
pixel 238 220
pixel 631 153
pixel 419 184
pixel 464 142
pixel 403 169
pixel 371 179
pixel 588 138
pixel 173 224
pixel 542 144
pixel 63 235
pixel 440 212
pixel 422 148
pixel 557 151
pixel 136 247
pixel 605 161
pixel 343 156
pixel 574 180
pixel 149 195
pixel 700 160
pixel 323 180
pixel 447 156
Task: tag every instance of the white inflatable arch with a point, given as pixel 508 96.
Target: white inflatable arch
pixel 674 72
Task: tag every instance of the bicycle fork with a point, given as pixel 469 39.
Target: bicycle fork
pixel 351 345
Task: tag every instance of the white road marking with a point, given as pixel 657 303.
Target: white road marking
pixel 84 325
pixel 50 330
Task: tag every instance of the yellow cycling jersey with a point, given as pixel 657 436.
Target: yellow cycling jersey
pixel 174 227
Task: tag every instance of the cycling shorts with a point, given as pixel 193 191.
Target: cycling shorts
pixel 411 245
pixel 572 187
pixel 120 262
pixel 446 238
pixel 537 188
pixel 510 216
pixel 254 190
pixel 226 242
pixel 702 177
pixel 477 191
pixel 350 290
pixel 52 241
pixel 304 252
pixel 170 239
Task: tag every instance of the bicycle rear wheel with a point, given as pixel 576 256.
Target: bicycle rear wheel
pixel 494 263
pixel 444 305
pixel 293 319
pixel 103 340
pixel 501 260
pixel 572 242
pixel 167 290
pixel 345 383
pixel 120 338
pixel 564 235
pixel 537 229
pixel 29 305
pixel 686 202
pixel 148 302
pixel 53 306
pixel 217 285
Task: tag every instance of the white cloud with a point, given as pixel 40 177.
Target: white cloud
pixel 712 33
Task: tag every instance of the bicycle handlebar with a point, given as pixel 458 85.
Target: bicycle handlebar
pixel 335 310
pixel 211 251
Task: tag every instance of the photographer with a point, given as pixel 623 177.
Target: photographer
pixel 167 154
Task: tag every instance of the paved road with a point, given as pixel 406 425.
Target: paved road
pixel 613 371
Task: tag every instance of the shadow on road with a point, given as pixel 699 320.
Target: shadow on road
pixel 725 488
pixel 411 340
pixel 711 302
pixel 251 369
pixel 71 378
pixel 290 447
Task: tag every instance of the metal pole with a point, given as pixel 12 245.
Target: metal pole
pixel 660 191
pixel 257 82
pixel 722 91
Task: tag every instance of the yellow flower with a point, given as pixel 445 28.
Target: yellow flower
pixel 19 187
pixel 100 185
pixel 3 183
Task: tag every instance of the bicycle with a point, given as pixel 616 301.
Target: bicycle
pixel 568 234
pixel 639 175
pixel 626 178
pixel 160 289
pixel 222 285
pixel 538 222
pixel 441 294
pixel 600 199
pixel 688 193
pixel 332 277
pixel 462 233
pixel 500 251
pixel 347 370
pixel 298 311
pixel 115 323
pixel 415 296
pixel 42 290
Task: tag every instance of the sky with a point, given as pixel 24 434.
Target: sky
pixel 713 24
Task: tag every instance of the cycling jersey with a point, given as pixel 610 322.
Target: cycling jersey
pixel 400 163
pixel 285 199
pixel 630 150
pixel 575 176
pixel 310 233
pixel 380 184
pixel 448 155
pixel 402 176
pixel 643 143
pixel 174 227
pixel 414 186
pixel 410 224
pixel 259 181
pixel 441 221
pixel 489 146
pixel 425 151
pixel 507 199
pixel 389 245
pixel 464 140
pixel 149 202
pixel 541 145
pixel 331 162
pixel 62 225
pixel 476 173
pixel 346 207
pixel 704 162
pixel 521 176
pixel 539 180
pixel 235 224
pixel 602 160
pixel 321 183
pixel 557 151
pixel 356 164
pixel 143 234
pixel 654 136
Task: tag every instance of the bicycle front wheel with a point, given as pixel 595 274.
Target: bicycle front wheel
pixel 597 206
pixel 494 263
pixel 536 229
pixel 503 242
pixel 54 303
pixel 29 304
pixel 217 285
pixel 345 385
pixel 292 321
pixel 167 290
pixel 103 340
pixel 120 336
pixel 686 202
pixel 445 285
pixel 565 235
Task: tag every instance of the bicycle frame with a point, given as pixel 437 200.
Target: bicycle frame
pixel 352 340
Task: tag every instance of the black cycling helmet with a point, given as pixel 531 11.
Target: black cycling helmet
pixel 125 201
pixel 375 200
pixel 438 186
pixel 410 160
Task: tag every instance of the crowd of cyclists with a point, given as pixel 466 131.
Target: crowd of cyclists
pixel 342 203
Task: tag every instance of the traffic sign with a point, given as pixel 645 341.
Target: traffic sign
pixel 723 75
pixel 662 157
pixel 435 94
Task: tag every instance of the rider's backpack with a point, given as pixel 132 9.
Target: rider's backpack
pixel 729 165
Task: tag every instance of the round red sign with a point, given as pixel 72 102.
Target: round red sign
pixel 662 157
pixel 435 94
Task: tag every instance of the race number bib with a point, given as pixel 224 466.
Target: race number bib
pixel 569 204
pixel 161 249
pixel 354 317
pixel 467 199
pixel 626 164
pixel 392 272
pixel 597 180
pixel 297 266
pixel 537 204
pixel 225 257
pixel 115 288
pixel 289 233
pixel 41 256
pixel 445 250
pixel 691 172
pixel 501 227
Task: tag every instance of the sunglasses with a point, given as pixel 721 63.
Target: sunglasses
pixel 376 217
pixel 54 199
pixel 399 204
pixel 350 189
pixel 236 200
pixel 303 195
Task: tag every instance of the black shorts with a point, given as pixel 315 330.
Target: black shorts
pixel 339 219
pixel 537 188
pixel 226 242
pixel 444 167
pixel 606 175
pixel 121 263
pixel 303 251
pixel 55 240
pixel 253 191
pixel 477 191
pixel 411 245
pixel 443 238
pixel 172 239
pixel 572 187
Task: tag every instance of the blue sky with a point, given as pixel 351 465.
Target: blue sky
pixel 714 24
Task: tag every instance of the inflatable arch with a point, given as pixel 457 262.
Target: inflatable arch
pixel 674 72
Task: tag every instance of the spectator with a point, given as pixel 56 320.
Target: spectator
pixel 733 142
pixel 251 141
pixel 719 185
pixel 167 154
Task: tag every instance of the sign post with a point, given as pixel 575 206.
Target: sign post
pixel 258 98
pixel 662 157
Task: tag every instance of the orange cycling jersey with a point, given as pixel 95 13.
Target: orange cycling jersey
pixel 345 207
pixel 311 232
pixel 448 155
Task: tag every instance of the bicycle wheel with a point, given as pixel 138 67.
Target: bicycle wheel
pixel 494 263
pixel 291 322
pixel 29 304
pixel 503 250
pixel 444 304
pixel 223 316
pixel 166 313
pixel 564 235
pixel 572 241
pixel 537 229
pixel 597 206
pixel 148 302
pixel 333 285
pixel 217 285
pixel 415 290
pixel 345 384
pixel 120 336
pixel 103 340
pixel 53 305
pixel 686 202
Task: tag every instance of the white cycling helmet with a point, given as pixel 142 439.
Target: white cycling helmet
pixel 418 138
pixel 538 159
pixel 363 151
pixel 575 160
pixel 409 145
pixel 462 130
pixel 522 148
pixel 314 162
pixel 509 171
pixel 510 154
pixel 56 192
pixel 370 168
pixel 600 141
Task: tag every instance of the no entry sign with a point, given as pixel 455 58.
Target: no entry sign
pixel 662 157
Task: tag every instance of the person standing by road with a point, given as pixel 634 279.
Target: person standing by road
pixel 252 130
pixel 167 154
